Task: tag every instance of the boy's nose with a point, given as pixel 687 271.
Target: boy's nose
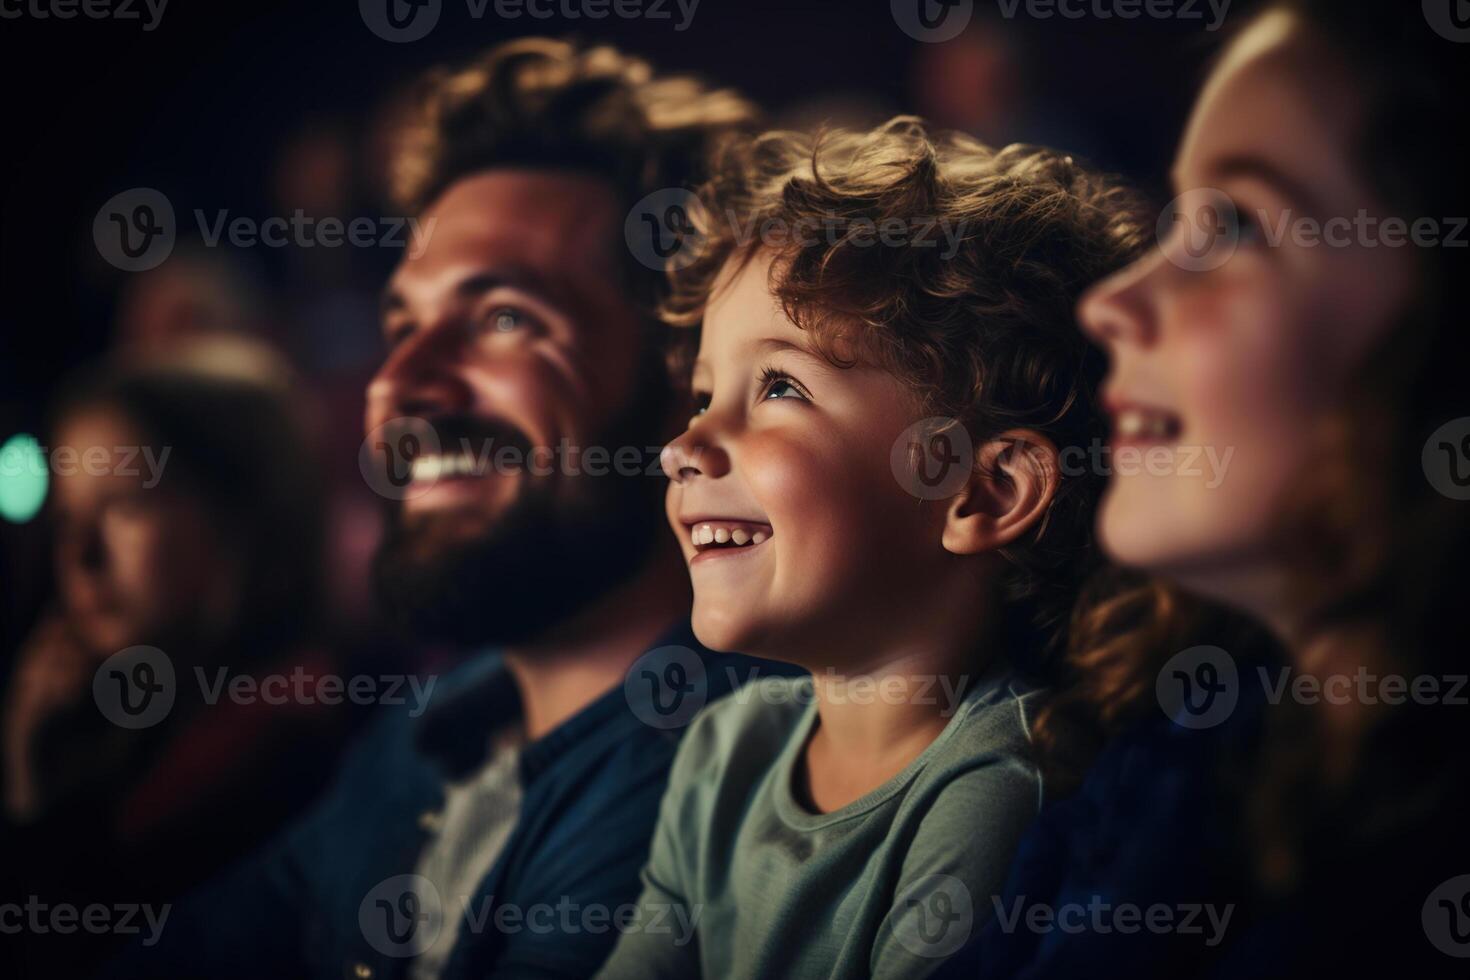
pixel 689 456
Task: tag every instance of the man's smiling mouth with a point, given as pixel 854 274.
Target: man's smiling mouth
pixel 430 467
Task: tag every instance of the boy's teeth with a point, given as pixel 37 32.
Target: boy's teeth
pixel 706 534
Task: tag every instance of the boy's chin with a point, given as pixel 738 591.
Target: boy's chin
pixel 727 630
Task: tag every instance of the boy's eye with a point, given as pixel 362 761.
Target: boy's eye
pixel 781 389
pixel 701 404
pixel 775 384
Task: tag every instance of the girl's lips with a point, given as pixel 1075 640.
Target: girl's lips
pixel 1143 425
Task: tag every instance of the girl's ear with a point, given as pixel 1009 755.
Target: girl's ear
pixel 1015 478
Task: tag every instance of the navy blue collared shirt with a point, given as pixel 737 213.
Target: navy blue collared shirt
pixel 336 895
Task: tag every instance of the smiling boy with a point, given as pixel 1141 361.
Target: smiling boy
pixel 870 488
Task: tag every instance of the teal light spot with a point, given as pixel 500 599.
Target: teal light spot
pixel 23 478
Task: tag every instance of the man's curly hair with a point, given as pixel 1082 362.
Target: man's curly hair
pixel 972 306
pixel 559 105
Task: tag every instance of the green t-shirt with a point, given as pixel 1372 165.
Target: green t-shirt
pixel 744 881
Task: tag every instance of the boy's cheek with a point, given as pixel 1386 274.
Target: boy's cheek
pixel 790 478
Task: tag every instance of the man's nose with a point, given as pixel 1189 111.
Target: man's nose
pixel 422 377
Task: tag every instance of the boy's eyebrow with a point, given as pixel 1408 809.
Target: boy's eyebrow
pixel 766 345
pixel 761 345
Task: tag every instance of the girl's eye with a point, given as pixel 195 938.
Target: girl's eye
pixel 781 389
pixel 1248 229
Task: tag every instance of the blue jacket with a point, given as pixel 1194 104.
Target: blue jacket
pixel 326 898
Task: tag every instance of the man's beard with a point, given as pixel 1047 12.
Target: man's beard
pixel 540 562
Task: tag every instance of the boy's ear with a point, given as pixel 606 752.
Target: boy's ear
pixel 1015 478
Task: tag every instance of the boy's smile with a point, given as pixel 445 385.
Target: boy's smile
pixel 715 536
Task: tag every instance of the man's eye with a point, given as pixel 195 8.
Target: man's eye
pixel 508 319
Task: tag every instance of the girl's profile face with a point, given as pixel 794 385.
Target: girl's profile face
pixel 1235 347
pixel 800 541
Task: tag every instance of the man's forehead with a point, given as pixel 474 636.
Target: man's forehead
pixel 553 201
pixel 525 217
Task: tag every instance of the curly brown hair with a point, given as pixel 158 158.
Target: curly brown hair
pixel 970 302
pixel 561 105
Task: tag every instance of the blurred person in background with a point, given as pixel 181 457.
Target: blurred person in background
pixel 186 518
pixel 198 293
